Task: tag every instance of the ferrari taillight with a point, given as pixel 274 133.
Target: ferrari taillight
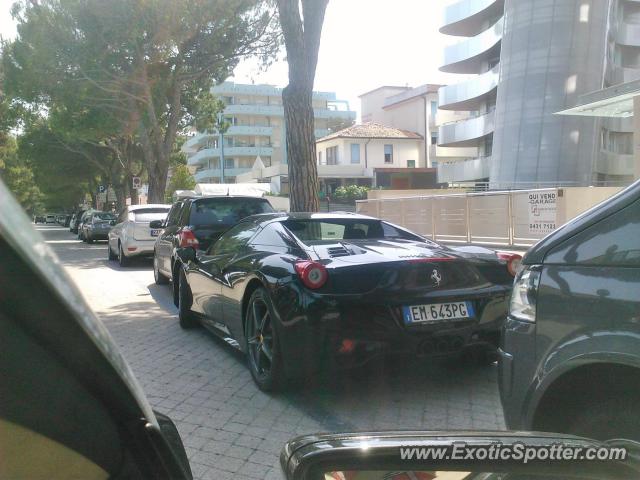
pixel 312 274
pixel 188 238
pixel 513 261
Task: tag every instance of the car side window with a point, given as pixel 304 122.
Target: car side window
pixel 234 239
pixel 272 235
pixel 611 241
pixel 172 218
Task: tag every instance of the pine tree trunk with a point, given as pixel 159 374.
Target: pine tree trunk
pixel 301 149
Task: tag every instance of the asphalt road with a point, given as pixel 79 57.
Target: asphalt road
pixel 229 427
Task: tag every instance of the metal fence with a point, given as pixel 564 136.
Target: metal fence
pixel 509 218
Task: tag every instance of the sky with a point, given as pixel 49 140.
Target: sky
pixel 365 44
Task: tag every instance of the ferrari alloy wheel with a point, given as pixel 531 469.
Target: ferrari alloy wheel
pixel 262 342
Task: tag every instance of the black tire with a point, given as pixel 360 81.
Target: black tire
pixel 185 300
pixel 89 240
pixel 123 261
pixel 261 341
pixel 159 278
pixel 175 284
pixel 110 255
pixel 608 419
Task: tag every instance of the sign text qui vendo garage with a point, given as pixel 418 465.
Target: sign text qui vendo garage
pixel 542 212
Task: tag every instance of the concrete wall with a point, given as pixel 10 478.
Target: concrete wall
pixel 507 218
pixel 371 103
pixel 378 194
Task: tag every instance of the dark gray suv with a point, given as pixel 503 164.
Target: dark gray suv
pixel 570 354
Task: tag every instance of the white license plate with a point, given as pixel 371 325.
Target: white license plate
pixel 436 312
pixel 155 232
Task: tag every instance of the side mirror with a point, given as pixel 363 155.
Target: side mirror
pixel 455 456
pixel 112 222
pixel 156 224
pixel 186 254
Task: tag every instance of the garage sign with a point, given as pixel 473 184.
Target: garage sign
pixel 542 212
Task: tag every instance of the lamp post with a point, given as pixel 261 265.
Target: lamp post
pixel 221 130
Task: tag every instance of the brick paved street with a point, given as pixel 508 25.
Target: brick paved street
pixel 230 428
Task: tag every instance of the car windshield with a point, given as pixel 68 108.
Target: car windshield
pixel 150 214
pixel 315 230
pixel 103 217
pixel 226 210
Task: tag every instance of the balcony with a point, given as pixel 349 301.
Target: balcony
pixel 612 163
pixel 278 111
pixel 471 94
pixel 203 156
pixel 442 153
pixel 628 34
pixel 616 74
pixel 468 18
pixel 344 171
pixel 231 88
pixel 466 133
pixel 467 56
pixel 471 170
pixel 204 175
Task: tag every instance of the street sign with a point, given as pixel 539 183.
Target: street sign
pixel 102 197
pixel 137 183
pixel 111 195
pixel 102 188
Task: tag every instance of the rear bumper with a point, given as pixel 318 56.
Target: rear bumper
pixel 97 234
pixel 351 329
pixel 135 248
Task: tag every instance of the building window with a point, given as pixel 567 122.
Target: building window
pixel 229 163
pixel 411 164
pixel 332 155
pixel 319 157
pixel 355 153
pixel 434 138
pixel 388 154
pixel 434 108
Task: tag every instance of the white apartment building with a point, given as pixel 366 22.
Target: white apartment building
pixel 416 109
pixel 253 148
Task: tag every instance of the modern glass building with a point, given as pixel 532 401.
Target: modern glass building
pixel 257 129
pixel 530 59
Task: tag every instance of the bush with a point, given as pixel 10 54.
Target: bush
pixel 350 193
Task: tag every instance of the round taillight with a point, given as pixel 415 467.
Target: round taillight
pixel 513 261
pixel 312 274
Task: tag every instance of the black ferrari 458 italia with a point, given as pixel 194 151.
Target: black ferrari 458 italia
pixel 300 291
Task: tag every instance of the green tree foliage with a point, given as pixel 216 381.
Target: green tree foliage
pixel 181 179
pixel 351 193
pixel 18 176
pixel 141 63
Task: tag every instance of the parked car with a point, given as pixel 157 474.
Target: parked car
pixel 39 219
pixel 83 218
pixel 132 236
pixel 71 406
pixel 72 221
pixel 60 219
pixel 50 218
pixel 75 221
pixel 97 226
pixel 67 220
pixel 295 291
pixel 570 358
pixel 197 222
